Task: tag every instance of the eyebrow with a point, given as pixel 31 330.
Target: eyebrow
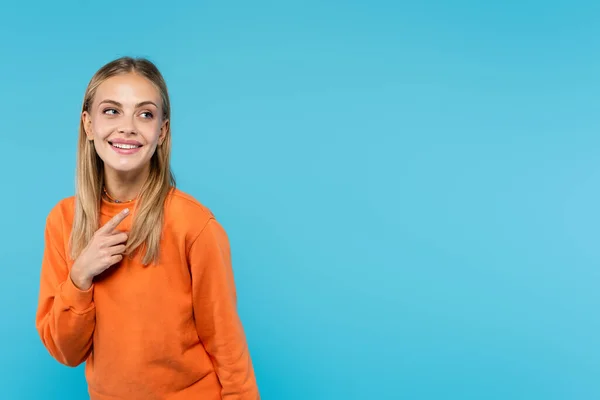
pixel 116 103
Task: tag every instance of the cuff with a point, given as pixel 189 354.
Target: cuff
pixel 80 301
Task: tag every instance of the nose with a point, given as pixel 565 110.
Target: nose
pixel 127 127
pixel 127 130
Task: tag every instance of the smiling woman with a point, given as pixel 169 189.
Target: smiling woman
pixel 136 278
pixel 132 125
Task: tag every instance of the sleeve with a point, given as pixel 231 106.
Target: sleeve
pixel 217 321
pixel 66 315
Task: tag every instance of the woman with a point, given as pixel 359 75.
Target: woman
pixel 136 278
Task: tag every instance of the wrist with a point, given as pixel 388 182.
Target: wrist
pixel 79 279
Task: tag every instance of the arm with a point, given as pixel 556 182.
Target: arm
pixel 218 324
pixel 66 315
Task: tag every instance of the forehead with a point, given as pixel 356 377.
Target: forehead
pixel 127 88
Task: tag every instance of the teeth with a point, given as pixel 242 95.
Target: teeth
pixel 125 146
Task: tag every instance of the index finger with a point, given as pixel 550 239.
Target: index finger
pixel 110 226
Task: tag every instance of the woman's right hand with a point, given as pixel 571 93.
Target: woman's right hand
pixel 104 250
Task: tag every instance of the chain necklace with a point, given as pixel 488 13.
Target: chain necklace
pixel 114 200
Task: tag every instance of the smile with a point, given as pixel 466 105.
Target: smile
pixel 123 148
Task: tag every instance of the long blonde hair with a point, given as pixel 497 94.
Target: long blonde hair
pixel 148 215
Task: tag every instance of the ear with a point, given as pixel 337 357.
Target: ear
pixel 164 129
pixel 87 125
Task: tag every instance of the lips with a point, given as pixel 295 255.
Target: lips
pixel 124 141
pixel 122 146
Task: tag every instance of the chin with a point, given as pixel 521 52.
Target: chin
pixel 121 166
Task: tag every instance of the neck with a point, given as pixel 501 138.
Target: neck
pixel 124 186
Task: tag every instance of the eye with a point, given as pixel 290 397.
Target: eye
pixel 147 115
pixel 110 111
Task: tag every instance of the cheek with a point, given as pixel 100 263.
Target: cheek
pixel 151 134
pixel 103 128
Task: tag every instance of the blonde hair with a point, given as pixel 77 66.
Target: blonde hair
pixel 148 214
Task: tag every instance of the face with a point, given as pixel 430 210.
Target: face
pixel 126 123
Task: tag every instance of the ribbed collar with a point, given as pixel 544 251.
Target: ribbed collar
pixel 111 209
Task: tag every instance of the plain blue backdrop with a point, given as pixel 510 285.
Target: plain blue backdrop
pixel 411 189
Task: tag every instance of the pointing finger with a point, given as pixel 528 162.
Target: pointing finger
pixel 110 226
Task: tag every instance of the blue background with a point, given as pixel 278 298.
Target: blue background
pixel 411 190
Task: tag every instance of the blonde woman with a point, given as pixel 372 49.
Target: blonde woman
pixel 136 277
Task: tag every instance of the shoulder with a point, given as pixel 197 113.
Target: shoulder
pixel 59 218
pixel 62 210
pixel 184 203
pixel 200 228
pixel 187 212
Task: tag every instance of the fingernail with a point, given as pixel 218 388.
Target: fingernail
pixel 126 211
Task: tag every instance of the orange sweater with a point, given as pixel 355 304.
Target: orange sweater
pixel 168 331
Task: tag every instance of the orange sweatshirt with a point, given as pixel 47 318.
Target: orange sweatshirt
pixel 168 331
